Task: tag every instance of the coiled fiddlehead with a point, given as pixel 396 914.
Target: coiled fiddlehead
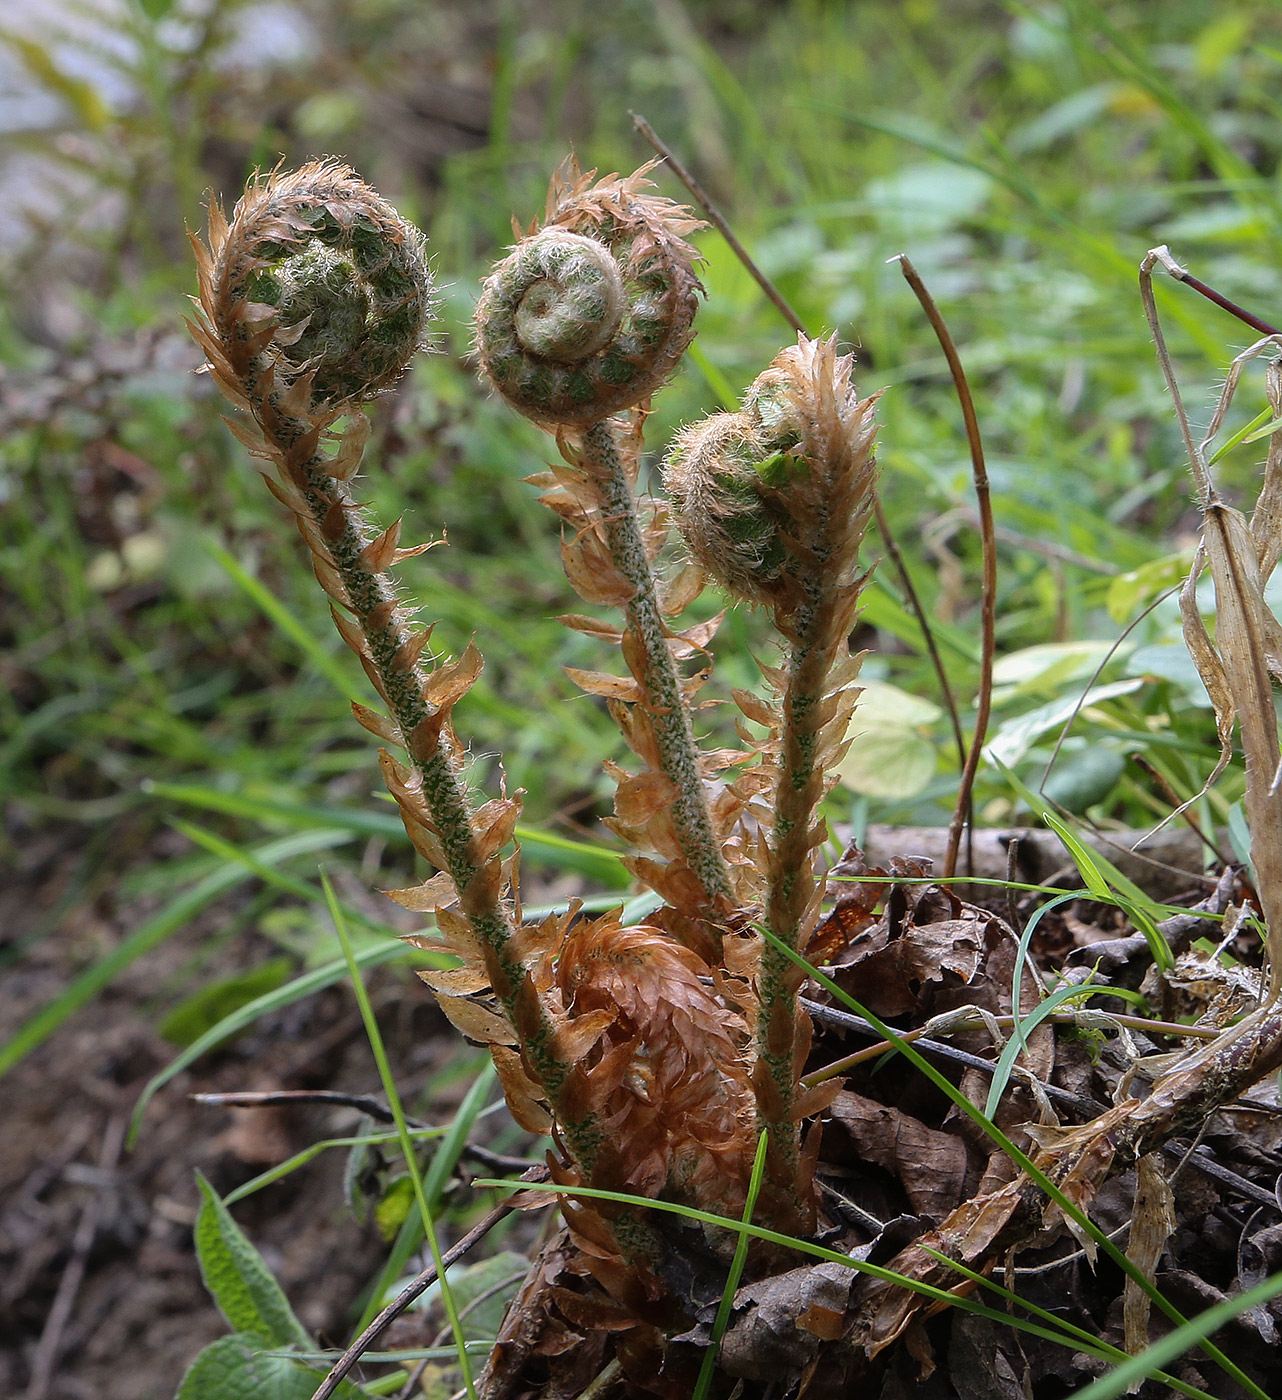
pixel 773 500
pixel 312 300
pixel 317 275
pixel 589 315
pixel 728 479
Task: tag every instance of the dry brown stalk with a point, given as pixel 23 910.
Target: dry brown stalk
pixel 1240 666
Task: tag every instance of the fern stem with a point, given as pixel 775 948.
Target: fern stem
pixel 669 713
pixel 791 889
pixel 372 599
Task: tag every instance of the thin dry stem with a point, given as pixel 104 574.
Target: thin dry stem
pixel 988 545
pixel 718 221
pixel 781 303
pixel 411 1292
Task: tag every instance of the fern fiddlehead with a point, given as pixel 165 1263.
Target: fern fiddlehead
pixel 773 501
pixel 590 314
pixel 585 318
pixel 313 299
pixel 317 277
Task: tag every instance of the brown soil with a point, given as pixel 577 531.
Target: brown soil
pixel 100 1294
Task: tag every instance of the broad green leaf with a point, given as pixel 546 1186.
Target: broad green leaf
pixel 887 761
pixel 881 703
pixel 1221 41
pixel 1015 736
pixel 481 1291
pixel 1064 118
pixel 929 196
pixel 393 1207
pixel 241 1284
pixel 1083 777
pixel 1045 668
pixel 889 755
pixel 1170 661
pixel 1131 591
pixel 190 1019
pixel 242 1367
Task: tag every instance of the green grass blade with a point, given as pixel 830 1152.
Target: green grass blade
pixel 1175 1343
pixel 735 1273
pixel 601 864
pixel 1021 1160
pixel 341 678
pixel 1263 421
pixel 1024 1027
pixel 314 1150
pixel 814 1251
pixel 177 913
pixel 402 1129
pixel 715 380
pixel 1089 1339
pixel 882 609
pixel 444 1160
pixel 1082 858
pixel 305 985
pixel 1103 879
pixel 278 879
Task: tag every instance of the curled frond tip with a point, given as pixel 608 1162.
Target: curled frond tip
pixel 315 274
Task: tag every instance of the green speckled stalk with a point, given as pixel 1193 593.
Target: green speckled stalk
pixel 370 594
pixel 313 300
pixel 791 888
pixel 669 715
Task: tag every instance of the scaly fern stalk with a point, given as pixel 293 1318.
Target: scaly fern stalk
pixel 773 501
pixel 312 301
pixel 670 715
pixel 588 316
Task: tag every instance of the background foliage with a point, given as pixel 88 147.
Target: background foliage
pixel 173 715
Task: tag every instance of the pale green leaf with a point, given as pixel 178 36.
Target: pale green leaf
pixel 241 1284
pixel 240 1367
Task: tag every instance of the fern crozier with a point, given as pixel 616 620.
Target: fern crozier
pixel 589 315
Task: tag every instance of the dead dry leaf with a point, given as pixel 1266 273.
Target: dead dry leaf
pixel 930 1164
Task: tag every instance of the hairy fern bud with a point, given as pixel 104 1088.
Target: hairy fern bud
pixel 729 478
pixel 753 492
pixel 588 315
pixel 316 275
